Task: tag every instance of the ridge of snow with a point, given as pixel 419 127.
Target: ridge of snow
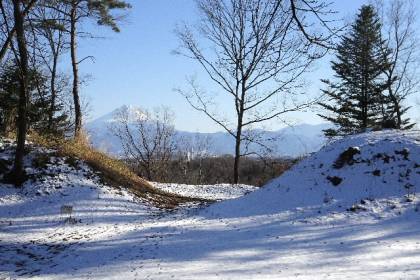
pixel 307 185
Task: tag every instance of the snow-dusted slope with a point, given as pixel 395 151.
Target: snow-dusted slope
pixel 388 165
pixel 40 238
pixel 300 226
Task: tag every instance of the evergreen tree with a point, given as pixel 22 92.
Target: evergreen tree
pixel 9 99
pixel 75 11
pixel 356 100
pixel 45 113
pixel 395 111
pixel 38 107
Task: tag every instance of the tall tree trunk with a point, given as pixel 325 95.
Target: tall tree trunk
pixel 17 175
pixel 238 140
pixel 237 161
pixel 237 149
pixel 7 43
pixel 74 63
pixel 397 110
pixel 53 93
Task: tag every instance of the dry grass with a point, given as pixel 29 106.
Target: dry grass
pixel 113 172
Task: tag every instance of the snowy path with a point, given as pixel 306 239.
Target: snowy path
pixel 211 192
pixel 119 239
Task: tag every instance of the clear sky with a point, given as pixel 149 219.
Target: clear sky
pixel 136 67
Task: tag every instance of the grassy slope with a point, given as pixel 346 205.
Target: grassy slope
pixel 113 172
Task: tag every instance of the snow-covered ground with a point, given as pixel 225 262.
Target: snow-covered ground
pixel 210 192
pixel 323 219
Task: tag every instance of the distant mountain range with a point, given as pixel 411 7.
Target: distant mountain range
pixel 289 141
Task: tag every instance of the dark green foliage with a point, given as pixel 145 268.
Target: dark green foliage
pixel 38 105
pixel 395 111
pixel 101 10
pixel 9 99
pixel 356 100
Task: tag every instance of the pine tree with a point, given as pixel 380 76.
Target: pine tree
pixel 9 98
pixel 38 106
pixel 42 105
pixel 395 111
pixel 356 100
pixel 102 12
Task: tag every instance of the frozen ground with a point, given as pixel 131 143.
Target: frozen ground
pixel 300 226
pixel 211 192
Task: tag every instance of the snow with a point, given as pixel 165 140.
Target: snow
pixel 210 192
pixel 307 184
pixel 299 226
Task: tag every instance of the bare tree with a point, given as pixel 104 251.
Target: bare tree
pixel 258 52
pixel 147 139
pixel 399 24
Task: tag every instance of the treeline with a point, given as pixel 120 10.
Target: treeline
pixel 216 170
pixel 36 37
pixel 153 150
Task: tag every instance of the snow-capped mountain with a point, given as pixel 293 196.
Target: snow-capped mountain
pixel 100 133
pixel 133 112
pixel 290 141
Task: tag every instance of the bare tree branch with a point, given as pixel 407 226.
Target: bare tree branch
pixel 259 51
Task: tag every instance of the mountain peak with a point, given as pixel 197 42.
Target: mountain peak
pixel 134 113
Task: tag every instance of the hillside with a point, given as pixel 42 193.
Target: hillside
pixel 332 216
pixel 290 141
pixel 385 164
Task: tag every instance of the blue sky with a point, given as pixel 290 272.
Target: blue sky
pixel 136 67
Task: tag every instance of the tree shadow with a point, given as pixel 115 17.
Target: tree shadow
pixel 228 245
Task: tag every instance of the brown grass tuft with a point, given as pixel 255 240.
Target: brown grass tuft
pixel 112 171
